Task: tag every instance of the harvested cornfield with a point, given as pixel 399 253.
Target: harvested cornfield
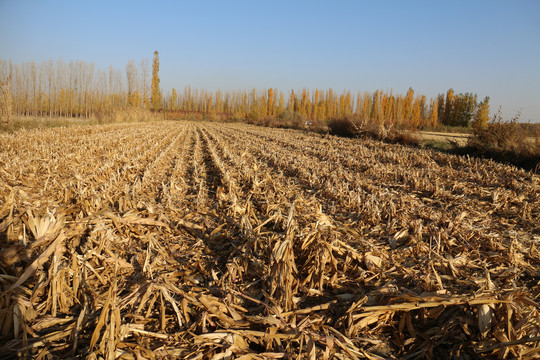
pixel 221 241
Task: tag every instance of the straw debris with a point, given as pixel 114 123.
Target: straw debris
pixel 223 241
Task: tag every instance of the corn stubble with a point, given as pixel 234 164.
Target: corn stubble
pixel 213 241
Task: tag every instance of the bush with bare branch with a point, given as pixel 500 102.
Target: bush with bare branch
pixel 506 141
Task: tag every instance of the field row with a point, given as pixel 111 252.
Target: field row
pixel 186 239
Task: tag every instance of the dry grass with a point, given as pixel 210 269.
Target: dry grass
pixel 220 241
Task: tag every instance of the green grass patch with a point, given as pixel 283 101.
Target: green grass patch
pixel 439 145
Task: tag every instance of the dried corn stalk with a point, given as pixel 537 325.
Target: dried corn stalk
pixel 179 240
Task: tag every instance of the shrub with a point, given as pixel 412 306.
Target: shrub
pixel 342 127
pixel 507 141
pixel 501 136
pixel 319 126
pixel 404 137
pixel 291 120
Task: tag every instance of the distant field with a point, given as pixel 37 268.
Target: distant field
pixel 453 138
pixel 203 240
pixel 459 139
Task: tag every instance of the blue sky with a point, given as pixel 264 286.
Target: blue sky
pixel 491 48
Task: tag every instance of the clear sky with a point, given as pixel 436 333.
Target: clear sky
pixel 491 48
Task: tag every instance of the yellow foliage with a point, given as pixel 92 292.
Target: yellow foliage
pixel 5 102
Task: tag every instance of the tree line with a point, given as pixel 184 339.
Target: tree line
pixel 79 89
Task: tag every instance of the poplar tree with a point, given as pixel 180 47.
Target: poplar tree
pixel 423 109
pixel 348 105
pixel 5 102
pixel 145 72
pixel 441 109
pixel 415 113
pixel 270 110
pixel 433 118
pixel 449 108
pixel 408 106
pixel 375 111
pixel 156 94
pixel 134 99
pixel 281 103
pixel 292 101
pixel 315 110
pixel 481 117
pixel 174 99
pixel 304 102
